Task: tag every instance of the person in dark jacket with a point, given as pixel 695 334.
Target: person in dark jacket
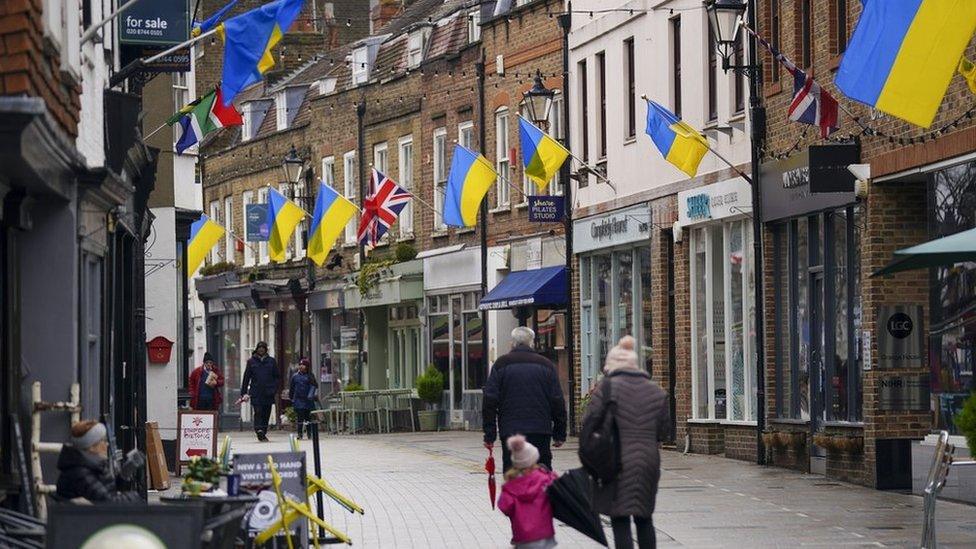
pixel 259 386
pixel 205 384
pixel 523 396
pixel 84 470
pixel 302 390
pixel 643 419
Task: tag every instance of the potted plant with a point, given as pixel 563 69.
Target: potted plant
pixel 430 388
pixel 965 421
pixel 202 475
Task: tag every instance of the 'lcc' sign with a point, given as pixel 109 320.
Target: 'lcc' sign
pixel 900 325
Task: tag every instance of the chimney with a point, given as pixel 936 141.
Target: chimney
pixel 382 13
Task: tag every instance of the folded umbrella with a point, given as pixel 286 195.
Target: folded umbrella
pixel 490 469
pixel 571 497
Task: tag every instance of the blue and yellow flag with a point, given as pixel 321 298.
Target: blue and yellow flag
pixel 204 235
pixel 283 217
pixel 679 143
pixel 541 154
pixel 332 212
pixel 903 54
pixel 248 39
pixel 470 178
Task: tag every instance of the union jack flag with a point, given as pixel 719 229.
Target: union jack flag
pixel 811 103
pixel 385 202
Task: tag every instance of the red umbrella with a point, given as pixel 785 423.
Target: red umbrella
pixel 490 469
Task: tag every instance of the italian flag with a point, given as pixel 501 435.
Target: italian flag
pixel 203 116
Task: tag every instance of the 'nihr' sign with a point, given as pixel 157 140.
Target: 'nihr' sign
pixel 155 22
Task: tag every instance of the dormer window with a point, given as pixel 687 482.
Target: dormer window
pixel 281 110
pixel 415 47
pixel 360 66
pixel 327 85
pixel 249 128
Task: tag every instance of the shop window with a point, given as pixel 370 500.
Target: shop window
pixel 723 354
pixel 647 327
pixel 623 290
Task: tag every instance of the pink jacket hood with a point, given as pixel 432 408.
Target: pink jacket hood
pixel 525 502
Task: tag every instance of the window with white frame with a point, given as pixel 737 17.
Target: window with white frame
pixel 281 110
pixel 247 198
pixel 415 47
pixel 558 131
pixel 381 157
pixel 299 238
pixel 440 176
pixel 474 26
pixel 285 190
pixel 529 186
pixel 466 134
pixel 723 355
pixel 360 66
pixel 405 158
pixel 328 171
pixel 230 243
pixel 349 186
pixel 181 97
pixel 502 161
pixel 215 217
pixel 249 128
pixel 263 256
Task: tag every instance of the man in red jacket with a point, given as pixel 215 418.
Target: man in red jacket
pixel 205 384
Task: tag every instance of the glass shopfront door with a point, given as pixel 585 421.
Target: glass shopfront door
pixel 454 323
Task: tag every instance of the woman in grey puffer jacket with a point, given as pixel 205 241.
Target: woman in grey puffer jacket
pixel 643 419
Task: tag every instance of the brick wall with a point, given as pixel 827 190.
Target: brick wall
pixel 740 442
pixel 31 65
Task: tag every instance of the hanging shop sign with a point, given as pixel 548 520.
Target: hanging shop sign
pixel 155 22
pixel 899 331
pixel 257 223
pixel 546 209
pixel 786 190
pixel 828 167
pixel 904 393
pixel 612 229
pixel 720 200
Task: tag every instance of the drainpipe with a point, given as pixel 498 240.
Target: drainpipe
pixel 483 214
pixel 360 120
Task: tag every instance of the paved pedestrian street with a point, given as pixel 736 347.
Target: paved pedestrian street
pixel 429 490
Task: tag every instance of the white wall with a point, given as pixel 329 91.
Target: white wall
pixel 637 165
pixel 162 297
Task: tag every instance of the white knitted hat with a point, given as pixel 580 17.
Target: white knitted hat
pixel 524 455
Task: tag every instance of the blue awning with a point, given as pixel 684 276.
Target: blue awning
pixel 544 287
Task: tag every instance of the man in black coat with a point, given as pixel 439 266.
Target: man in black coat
pixel 259 385
pixel 523 396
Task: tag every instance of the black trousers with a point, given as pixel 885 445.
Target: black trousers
pixel 646 537
pixel 301 418
pixel 262 414
pixel 539 441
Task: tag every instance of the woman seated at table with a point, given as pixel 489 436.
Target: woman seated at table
pixel 85 473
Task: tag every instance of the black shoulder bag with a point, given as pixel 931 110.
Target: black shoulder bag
pixel 599 442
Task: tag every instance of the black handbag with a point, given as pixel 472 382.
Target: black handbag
pixel 599 443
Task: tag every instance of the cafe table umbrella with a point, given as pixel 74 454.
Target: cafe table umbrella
pixel 570 497
pixel 490 469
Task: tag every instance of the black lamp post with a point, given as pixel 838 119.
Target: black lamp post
pixel 726 18
pixel 293 166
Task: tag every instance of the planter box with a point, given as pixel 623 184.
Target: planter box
pixel 961 482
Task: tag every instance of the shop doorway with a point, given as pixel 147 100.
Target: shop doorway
pixel 456 349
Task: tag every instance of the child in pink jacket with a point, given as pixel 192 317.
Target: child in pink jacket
pixel 524 498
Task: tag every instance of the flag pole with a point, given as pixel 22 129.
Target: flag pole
pixel 93 30
pixel 179 46
pixel 154 132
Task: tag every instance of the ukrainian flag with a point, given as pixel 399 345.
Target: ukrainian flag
pixel 283 217
pixel 680 144
pixel 470 178
pixel 541 154
pixel 903 54
pixel 248 39
pixel 204 235
pixel 332 212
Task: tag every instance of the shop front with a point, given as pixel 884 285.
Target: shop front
pixel 614 254
pixel 715 220
pixel 815 318
pixel 453 322
pixel 333 337
pixel 394 349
